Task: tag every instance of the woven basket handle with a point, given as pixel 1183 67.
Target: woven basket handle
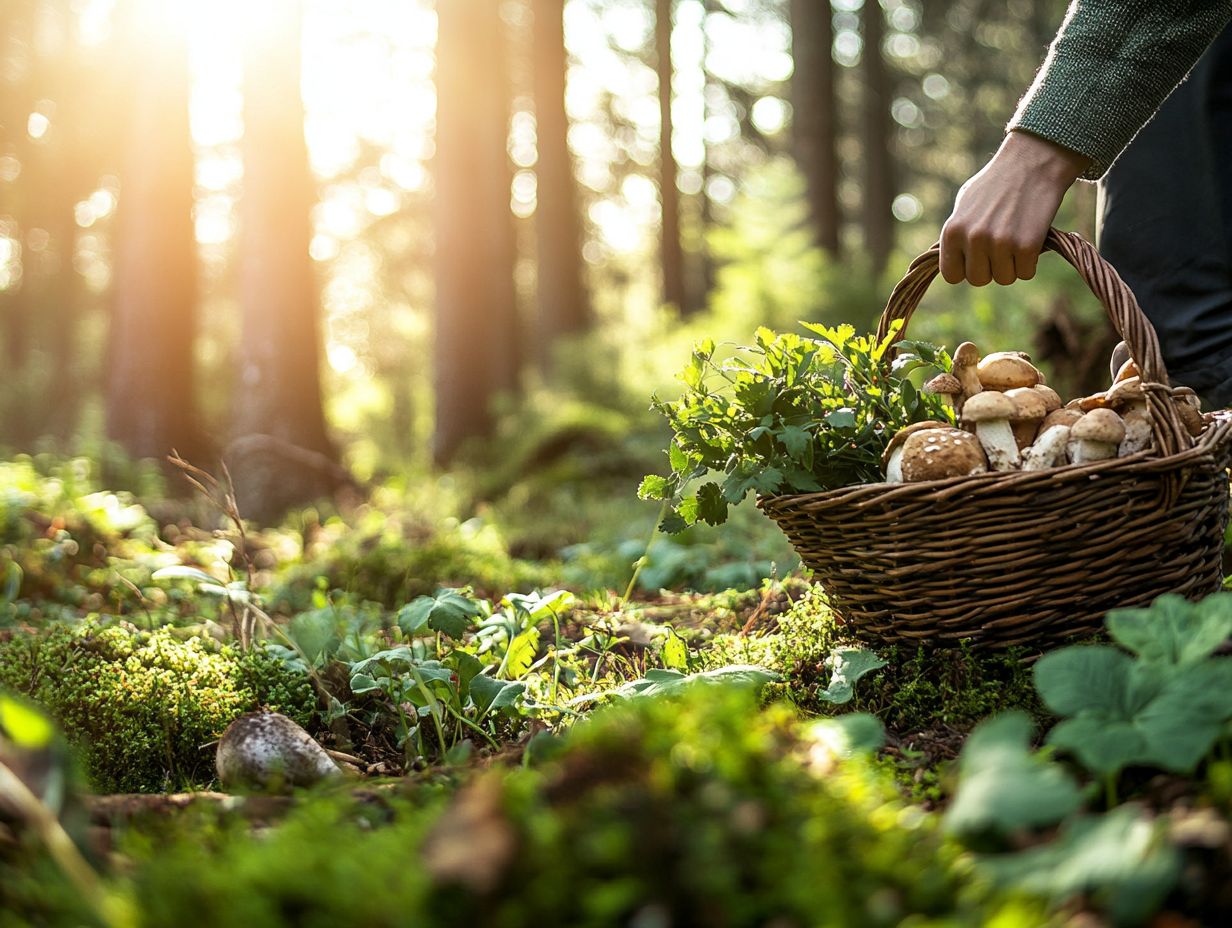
pixel 1113 294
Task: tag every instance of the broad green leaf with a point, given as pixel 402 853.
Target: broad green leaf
pixel 317 634
pixel 1174 631
pixel 521 653
pixel 711 507
pixel 672 523
pixel 849 735
pixel 1121 859
pixel 1003 787
pixel 841 419
pixel 675 652
pixel 466 666
pixel 449 612
pixel 539 607
pixel 492 695
pixel 1104 745
pixel 654 487
pixel 677 458
pixel 363 683
pixel 395 659
pixel 24 725
pixel 847 665
pixel 659 682
pixel 795 439
pixel 1081 677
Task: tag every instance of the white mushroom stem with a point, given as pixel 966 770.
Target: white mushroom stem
pixel 997 439
pixel 1084 451
pixel 1137 430
pixel 894 466
pixel 1048 450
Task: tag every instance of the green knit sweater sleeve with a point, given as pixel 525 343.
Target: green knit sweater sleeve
pixel 1110 67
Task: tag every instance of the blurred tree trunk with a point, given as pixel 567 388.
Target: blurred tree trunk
pixel 814 109
pixel 877 139
pixel 280 456
pixel 279 389
pixel 476 338
pixel 563 305
pixel 150 397
pixel 674 291
pixel 709 270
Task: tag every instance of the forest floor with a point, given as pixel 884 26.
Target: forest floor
pixel 555 741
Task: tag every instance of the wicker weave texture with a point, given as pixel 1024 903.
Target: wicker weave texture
pixel 1024 558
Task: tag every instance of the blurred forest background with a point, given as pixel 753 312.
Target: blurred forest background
pixel 337 241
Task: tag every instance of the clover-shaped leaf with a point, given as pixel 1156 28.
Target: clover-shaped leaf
pixel 1173 631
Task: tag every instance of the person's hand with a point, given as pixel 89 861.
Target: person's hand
pixel 1002 214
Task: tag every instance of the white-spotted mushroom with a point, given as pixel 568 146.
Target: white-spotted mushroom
pixel 936 454
pixel 892 457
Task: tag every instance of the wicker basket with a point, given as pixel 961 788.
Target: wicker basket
pixel 1018 558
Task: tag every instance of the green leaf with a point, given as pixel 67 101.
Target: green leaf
pixel 660 682
pixel 654 487
pixel 841 418
pixel 673 523
pixel 449 612
pixel 677 458
pixel 317 634
pixel 849 735
pixel 711 507
pixel 848 665
pixel 363 683
pixel 675 652
pixel 492 695
pixel 1002 787
pixel 1174 631
pixel 521 653
pixel 1072 679
pixel 1123 860
pixel 24 725
pixel 391 659
pixel 795 439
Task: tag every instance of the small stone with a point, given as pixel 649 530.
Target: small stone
pixel 266 749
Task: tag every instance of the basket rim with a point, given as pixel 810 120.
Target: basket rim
pixel 1214 438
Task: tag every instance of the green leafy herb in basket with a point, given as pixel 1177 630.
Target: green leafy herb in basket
pixel 790 414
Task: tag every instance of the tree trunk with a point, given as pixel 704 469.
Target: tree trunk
pixel 476 338
pixel 878 131
pixel 279 389
pixel 674 291
pixel 151 402
pixel 563 305
pixel 814 122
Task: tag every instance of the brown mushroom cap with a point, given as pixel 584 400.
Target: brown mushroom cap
pixel 943 385
pixel 1005 370
pixel 935 454
pixel 1065 417
pixel 1125 392
pixel 986 406
pixel 1191 418
pixel 1052 399
pixel 1028 404
pixel 901 436
pixel 1101 425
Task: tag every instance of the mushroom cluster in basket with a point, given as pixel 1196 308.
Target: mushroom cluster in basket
pixel 1009 419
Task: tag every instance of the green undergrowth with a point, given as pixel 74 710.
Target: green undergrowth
pixel 144 707
pixel 917 690
pixel 700 809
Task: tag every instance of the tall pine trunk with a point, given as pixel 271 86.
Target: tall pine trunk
pixel 279 388
pixel 877 140
pixel 814 108
pixel 672 252
pixel 563 308
pixel 476 338
pixel 150 399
